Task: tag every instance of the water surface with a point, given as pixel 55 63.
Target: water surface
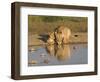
pixel 58 55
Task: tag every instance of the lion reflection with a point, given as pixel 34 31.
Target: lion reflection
pixel 61 52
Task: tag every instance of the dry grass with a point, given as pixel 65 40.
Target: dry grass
pixel 38 26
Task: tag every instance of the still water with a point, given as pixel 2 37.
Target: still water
pixel 58 55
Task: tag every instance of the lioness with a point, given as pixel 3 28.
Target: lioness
pixel 62 35
pixel 51 39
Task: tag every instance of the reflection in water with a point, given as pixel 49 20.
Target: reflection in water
pixel 61 52
pixel 57 55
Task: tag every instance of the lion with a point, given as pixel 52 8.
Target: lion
pixel 51 39
pixel 62 35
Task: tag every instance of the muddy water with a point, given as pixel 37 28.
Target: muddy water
pixel 58 55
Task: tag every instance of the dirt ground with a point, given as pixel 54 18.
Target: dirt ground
pixel 39 40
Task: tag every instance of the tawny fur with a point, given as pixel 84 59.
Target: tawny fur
pixel 60 36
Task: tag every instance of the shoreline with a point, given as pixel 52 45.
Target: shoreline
pixel 35 40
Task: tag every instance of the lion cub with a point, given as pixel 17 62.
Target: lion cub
pixel 51 39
